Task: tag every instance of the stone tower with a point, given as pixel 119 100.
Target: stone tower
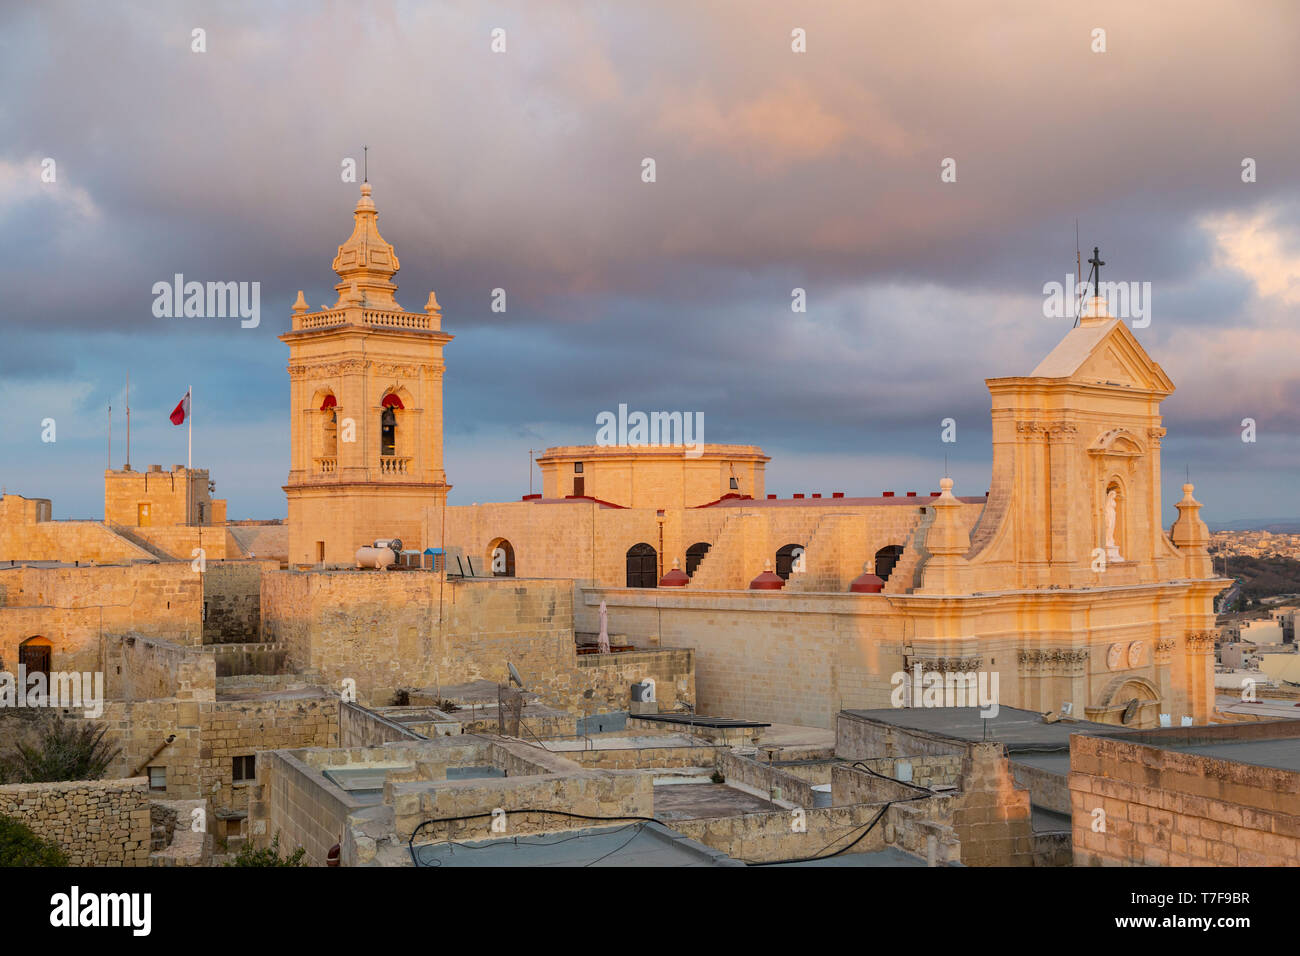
pixel 365 398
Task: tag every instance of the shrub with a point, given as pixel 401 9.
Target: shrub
pixel 268 856
pixel 64 750
pixel 19 846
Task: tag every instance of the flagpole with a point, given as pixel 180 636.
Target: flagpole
pixel 189 451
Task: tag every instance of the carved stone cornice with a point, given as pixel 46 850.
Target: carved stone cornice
pixel 399 369
pixel 1053 661
pixel 1165 650
pixel 1061 432
pixel 945 665
pixel 1155 434
pixel 1200 642
pixel 328 369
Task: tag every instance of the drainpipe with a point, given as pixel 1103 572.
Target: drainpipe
pixel 149 759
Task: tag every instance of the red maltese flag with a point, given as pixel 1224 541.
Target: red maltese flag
pixel 181 411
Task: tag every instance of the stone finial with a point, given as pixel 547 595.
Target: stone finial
pixel 366 257
pixel 946 535
pixel 1189 531
pixel 432 306
pixel 300 304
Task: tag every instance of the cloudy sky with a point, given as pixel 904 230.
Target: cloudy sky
pixel 774 170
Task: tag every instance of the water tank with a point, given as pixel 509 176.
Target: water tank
pixel 375 557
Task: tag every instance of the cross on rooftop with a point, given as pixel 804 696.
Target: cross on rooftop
pixel 1096 263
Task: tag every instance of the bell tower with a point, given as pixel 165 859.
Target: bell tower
pixel 365 398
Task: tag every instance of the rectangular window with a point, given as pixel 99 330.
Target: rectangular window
pixel 577 467
pixel 320 552
pixel 158 778
pixel 734 484
pixel 244 768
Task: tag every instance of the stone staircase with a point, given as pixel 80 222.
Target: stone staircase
pixel 825 560
pixel 907 572
pixel 140 542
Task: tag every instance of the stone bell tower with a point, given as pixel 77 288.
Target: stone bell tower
pixel 365 398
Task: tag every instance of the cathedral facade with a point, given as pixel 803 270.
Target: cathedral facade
pixel 1060 579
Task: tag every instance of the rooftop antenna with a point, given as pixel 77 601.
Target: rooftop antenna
pixel 128 420
pixel 531 452
pixel 365 164
pixel 1078 267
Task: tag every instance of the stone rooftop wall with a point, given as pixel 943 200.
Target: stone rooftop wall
pixel 96 822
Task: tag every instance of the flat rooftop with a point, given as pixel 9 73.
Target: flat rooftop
pixel 639 843
pixel 695 801
pixel 1020 730
pixel 1282 753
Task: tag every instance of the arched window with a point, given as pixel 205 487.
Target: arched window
pixel 330 432
pixel 694 555
pixel 501 558
pixel 388 424
pixel 789 559
pixel 886 558
pixel 34 655
pixel 642 566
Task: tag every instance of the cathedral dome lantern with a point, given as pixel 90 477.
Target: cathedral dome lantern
pixel 367 261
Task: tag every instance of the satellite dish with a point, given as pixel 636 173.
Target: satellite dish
pixel 514 675
pixel 1130 711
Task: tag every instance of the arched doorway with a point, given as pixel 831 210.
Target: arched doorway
pixel 642 566
pixel 694 555
pixel 501 558
pixel 789 560
pixel 886 558
pixel 34 655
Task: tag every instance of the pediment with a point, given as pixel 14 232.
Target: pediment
pixel 1107 354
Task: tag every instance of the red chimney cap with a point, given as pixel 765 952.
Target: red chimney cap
pixel 769 580
pixel 866 583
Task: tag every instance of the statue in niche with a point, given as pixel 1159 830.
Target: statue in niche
pixel 1112 505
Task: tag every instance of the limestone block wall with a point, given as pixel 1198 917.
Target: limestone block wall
pixel 238 728
pixel 933 771
pixel 611 676
pixel 72 607
pixel 140 668
pixel 28 533
pixel 1171 808
pixel 232 600
pixel 991 815
pixel 592 793
pixel 769 837
pixel 387 630
pixel 648 758
pixel 207 736
pixel 295 801
pixel 738 769
pixel 182 541
pixel 96 822
pixel 174 497
pixel 779 657
pixel 362 727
